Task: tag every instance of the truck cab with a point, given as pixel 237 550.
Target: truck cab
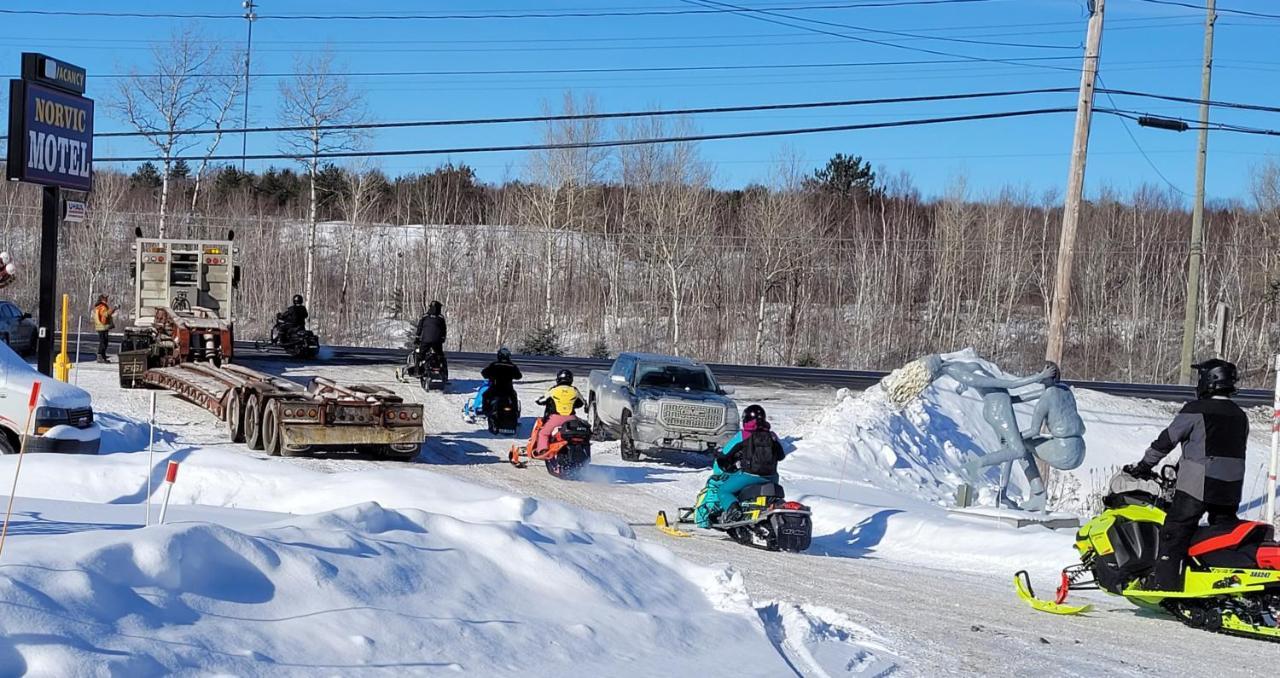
pixel 656 402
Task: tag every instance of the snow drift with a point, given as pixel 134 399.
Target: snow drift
pixel 368 587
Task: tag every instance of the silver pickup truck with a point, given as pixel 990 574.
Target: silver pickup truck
pixel 657 402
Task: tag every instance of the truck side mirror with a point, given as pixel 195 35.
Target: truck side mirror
pixel 618 379
pixel 727 390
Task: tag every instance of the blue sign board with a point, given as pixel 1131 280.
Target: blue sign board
pixel 50 136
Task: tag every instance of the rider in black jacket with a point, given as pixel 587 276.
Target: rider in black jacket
pixel 431 334
pixel 1214 433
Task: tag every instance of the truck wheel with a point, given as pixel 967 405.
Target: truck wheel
pixel 627 446
pixel 253 421
pixel 7 445
pixel 598 430
pixel 235 415
pixel 271 428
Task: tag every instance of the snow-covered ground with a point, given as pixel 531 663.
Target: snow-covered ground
pixel 461 562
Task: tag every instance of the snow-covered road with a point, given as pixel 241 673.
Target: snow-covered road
pixel 940 614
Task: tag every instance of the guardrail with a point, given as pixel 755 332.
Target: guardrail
pixel 857 379
pixel 814 376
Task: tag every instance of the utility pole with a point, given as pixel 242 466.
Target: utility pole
pixel 249 16
pixel 1075 188
pixel 1197 210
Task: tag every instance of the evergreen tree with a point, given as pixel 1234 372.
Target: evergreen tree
pixel 541 341
pixel 845 175
pixel 146 176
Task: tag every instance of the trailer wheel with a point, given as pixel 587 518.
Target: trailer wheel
pixel 271 428
pixel 253 421
pixel 235 415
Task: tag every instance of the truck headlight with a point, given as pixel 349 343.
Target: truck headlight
pixel 48 417
pixel 650 408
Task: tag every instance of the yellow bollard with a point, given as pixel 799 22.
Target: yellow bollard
pixel 62 364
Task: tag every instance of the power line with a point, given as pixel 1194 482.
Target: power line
pixel 612 143
pixel 738 8
pixel 1125 124
pixel 1219 10
pixel 609 70
pixel 698 111
pixel 765 16
pixel 541 14
pixel 607 116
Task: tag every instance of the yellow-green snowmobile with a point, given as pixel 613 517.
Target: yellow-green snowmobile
pixel 1232 580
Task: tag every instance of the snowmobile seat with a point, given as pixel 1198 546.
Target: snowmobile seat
pixel 1230 544
pixel 772 490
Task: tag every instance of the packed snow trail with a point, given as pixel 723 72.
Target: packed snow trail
pixel 942 602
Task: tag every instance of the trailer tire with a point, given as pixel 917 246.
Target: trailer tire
pixel 235 415
pixel 253 421
pixel 271 429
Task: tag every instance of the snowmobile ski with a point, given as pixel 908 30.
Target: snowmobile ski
pixel 665 527
pixel 1022 584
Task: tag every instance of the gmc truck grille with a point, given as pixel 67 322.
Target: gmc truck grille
pixel 81 417
pixel 691 416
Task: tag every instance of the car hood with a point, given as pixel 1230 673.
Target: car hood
pixel 688 396
pixel 19 376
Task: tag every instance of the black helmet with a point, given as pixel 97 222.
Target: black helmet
pixel 564 378
pixel 753 412
pixel 297 300
pixel 504 355
pixel 1217 377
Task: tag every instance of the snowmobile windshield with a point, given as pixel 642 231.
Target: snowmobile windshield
pixel 676 376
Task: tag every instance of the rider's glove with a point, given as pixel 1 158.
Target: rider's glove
pixel 1141 470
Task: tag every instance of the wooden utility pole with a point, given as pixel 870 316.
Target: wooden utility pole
pixel 1075 188
pixel 1197 211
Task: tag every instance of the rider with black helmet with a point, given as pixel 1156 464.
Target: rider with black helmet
pixel 750 457
pixel 1214 434
pixel 501 373
pixel 562 402
pixel 294 318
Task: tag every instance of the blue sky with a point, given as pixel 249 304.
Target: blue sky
pixel 1146 46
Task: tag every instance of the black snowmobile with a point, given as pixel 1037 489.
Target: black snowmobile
pixel 503 414
pixel 298 342
pixel 761 517
pixel 425 365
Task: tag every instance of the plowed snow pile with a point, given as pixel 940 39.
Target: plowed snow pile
pixel 866 448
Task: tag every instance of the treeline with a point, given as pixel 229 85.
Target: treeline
pixel 596 252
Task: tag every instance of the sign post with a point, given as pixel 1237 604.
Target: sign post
pixel 51 144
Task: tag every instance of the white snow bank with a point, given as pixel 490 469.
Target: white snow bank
pixel 864 444
pixel 218 477
pixel 368 587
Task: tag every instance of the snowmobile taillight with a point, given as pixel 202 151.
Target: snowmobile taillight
pixel 793 506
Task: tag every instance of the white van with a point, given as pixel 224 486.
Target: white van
pixel 63 420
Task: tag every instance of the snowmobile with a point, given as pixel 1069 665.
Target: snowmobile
pixel 761 517
pixel 568 452
pixel 1232 575
pixel 426 366
pixel 297 342
pixel 505 414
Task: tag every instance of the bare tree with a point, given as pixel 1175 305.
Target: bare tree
pixel 170 100
pixel 222 96
pixel 319 96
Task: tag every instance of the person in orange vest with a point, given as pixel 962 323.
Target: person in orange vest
pixel 104 320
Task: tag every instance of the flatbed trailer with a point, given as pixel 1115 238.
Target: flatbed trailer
pixel 188 348
pixel 283 417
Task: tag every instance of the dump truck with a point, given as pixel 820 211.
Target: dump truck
pixel 183 341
